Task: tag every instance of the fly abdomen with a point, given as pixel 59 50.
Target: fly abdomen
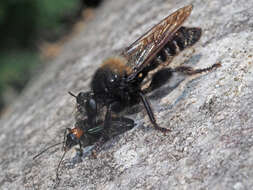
pixel 183 38
pixel 186 37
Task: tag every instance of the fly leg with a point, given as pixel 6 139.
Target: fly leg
pixel 151 114
pixel 163 75
pixel 159 79
pixel 80 149
pixel 108 116
pixel 190 71
pixel 116 107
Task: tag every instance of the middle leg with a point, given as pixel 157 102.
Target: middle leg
pixel 151 114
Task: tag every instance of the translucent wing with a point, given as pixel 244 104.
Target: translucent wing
pixel 118 125
pixel 143 50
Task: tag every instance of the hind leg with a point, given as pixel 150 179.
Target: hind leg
pixel 163 75
pixel 191 71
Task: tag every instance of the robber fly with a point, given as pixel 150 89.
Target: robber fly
pixel 118 82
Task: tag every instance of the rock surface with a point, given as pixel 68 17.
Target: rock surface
pixel 210 146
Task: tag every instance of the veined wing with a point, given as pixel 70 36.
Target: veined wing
pixel 144 49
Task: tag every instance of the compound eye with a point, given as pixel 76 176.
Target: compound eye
pixel 91 106
pixel 81 98
pixel 113 81
pixel 113 78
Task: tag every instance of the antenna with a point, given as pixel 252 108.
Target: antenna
pixel 72 94
pixel 57 170
pixel 46 149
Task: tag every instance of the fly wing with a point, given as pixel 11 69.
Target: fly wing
pixel 143 50
pixel 118 125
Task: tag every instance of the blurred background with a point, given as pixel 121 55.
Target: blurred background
pixel 32 33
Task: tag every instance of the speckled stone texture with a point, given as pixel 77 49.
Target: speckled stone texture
pixel 210 146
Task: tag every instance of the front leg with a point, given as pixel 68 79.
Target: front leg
pixel 108 116
pixel 80 149
pixel 151 114
pixel 116 107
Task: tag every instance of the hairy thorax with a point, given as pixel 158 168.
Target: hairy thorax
pixel 109 82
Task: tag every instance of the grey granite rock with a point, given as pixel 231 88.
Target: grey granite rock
pixel 210 146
